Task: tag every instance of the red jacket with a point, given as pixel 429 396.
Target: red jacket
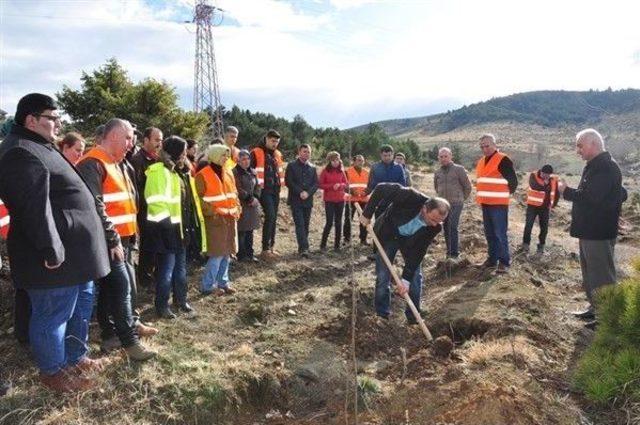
pixel 328 178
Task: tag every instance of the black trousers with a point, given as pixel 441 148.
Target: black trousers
pixel 21 315
pixel 245 244
pixel 350 211
pixel 269 202
pixel 333 218
pixel 543 214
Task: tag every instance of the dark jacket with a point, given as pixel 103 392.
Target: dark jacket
pixel 248 190
pixel 598 200
pixel 404 205
pixel 271 178
pixel 140 161
pixel 299 178
pixel 54 215
pixel 386 173
pixel 546 188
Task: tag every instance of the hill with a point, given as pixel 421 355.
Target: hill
pixel 545 108
pixel 534 127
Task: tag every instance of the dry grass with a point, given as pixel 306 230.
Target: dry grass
pixel 518 350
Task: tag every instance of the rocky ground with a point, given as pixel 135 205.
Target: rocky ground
pixel 281 350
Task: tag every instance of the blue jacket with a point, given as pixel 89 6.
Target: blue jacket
pixel 385 173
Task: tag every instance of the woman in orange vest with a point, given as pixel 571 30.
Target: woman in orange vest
pixel 542 195
pixel 216 189
pixel 358 177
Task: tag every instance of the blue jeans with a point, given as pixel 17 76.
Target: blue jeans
pixel 171 273
pixel 383 282
pixel 451 230
pixel 302 218
pixel 496 220
pixel 216 274
pixel 59 325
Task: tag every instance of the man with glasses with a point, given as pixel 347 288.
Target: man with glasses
pixel 56 243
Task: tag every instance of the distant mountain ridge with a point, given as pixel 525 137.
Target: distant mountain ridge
pixel 545 108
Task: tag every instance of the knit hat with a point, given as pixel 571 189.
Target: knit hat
pixel 547 169
pixel 215 153
pixel 33 103
pixel 174 146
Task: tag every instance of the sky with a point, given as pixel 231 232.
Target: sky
pixel 338 63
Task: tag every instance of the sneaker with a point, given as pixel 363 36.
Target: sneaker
pixel 502 269
pixel 87 365
pixel 64 382
pixel 587 314
pixel 145 331
pixel 185 308
pixel 110 344
pixel 166 314
pixel 139 353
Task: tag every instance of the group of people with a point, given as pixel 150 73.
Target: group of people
pixel 76 217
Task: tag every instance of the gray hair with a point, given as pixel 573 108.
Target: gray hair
pixel 445 149
pixel 489 136
pixel 437 203
pixel 232 129
pixel 114 123
pixel 592 136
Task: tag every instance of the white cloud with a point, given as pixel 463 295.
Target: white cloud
pixel 357 63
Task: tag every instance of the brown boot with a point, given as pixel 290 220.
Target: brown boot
pixel 218 292
pixel 229 291
pixel 145 331
pixel 139 352
pixel 87 365
pixel 63 382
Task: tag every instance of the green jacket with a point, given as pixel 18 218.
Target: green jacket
pixel 163 193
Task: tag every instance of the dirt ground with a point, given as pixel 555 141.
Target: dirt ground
pixel 280 350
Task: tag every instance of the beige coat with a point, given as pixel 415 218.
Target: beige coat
pixel 221 231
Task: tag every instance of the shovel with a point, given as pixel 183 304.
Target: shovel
pixel 396 278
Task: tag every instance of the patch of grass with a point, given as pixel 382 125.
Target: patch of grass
pixel 481 353
pixel 610 368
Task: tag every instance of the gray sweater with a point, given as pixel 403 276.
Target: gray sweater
pixel 452 183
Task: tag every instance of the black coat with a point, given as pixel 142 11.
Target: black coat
pixel 404 205
pixel 54 216
pixel 597 201
pixel 299 178
pixel 248 190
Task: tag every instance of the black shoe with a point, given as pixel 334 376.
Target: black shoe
pixel 371 257
pixel 337 248
pixel 304 254
pixel 323 248
pixel 185 308
pixel 253 259
pixel 591 325
pixel 487 264
pixel 5 386
pixel 585 315
pixel 166 314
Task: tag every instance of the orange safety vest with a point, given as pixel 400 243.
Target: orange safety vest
pixel 357 185
pixel 491 187
pixel 222 195
pixel 5 218
pixel 259 154
pixel 117 194
pixel 535 198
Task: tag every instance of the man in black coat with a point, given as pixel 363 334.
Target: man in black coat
pixel 408 225
pixel 56 242
pixel 301 179
pixel 597 202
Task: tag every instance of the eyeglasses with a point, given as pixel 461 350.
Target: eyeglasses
pixel 53 118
